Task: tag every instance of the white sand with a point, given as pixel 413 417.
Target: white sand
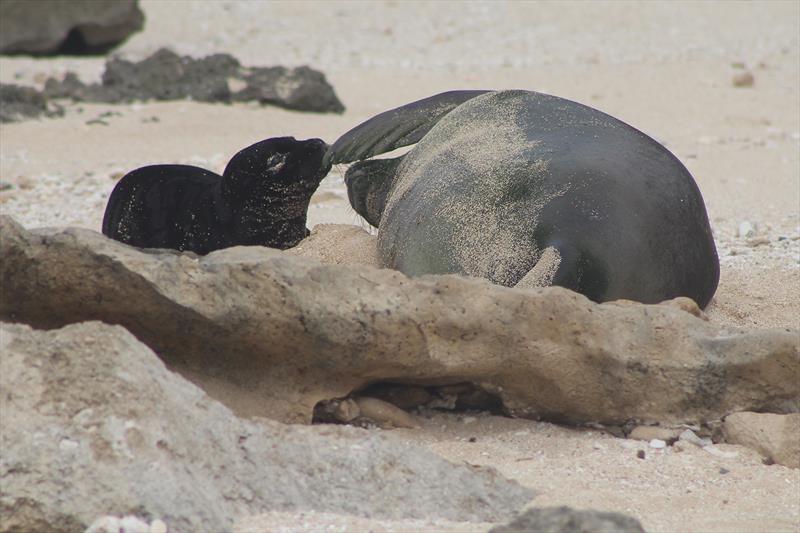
pixel 664 68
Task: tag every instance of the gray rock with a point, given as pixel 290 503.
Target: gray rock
pixel 567 520
pixel 17 103
pixel 167 76
pixel 95 424
pixel 76 26
pixel 301 88
pixel 776 437
pixel 272 334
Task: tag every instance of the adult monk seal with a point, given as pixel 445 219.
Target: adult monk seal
pixel 261 199
pixel 525 188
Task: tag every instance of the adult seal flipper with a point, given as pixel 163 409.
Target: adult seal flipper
pixel 368 184
pixel 396 128
pixel 261 199
pixel 500 179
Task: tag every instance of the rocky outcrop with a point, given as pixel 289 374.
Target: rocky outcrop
pixel 776 437
pixel 270 334
pixel 18 103
pixel 95 424
pixel 567 520
pixel 216 78
pixel 73 27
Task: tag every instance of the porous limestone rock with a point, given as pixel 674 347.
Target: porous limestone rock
pixel 94 424
pixel 272 334
pixel 775 436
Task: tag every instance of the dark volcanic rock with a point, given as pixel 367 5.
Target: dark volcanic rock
pixel 567 520
pixel 17 103
pixel 167 76
pixel 302 89
pixel 66 27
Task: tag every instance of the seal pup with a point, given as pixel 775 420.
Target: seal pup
pixel 261 198
pixel 523 188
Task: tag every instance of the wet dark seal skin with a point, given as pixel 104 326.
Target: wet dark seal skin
pixel 261 199
pixel 498 178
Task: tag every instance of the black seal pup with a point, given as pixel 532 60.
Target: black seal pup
pixel 523 188
pixel 261 199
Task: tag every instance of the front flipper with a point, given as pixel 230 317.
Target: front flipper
pixel 543 272
pixel 563 265
pixel 395 128
pixel 368 184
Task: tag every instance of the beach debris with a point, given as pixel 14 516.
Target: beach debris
pixel 743 79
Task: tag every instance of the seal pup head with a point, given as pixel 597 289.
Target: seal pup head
pixel 267 188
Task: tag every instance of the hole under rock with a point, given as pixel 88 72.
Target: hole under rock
pixel 458 397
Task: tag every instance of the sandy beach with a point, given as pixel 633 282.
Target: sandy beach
pixel 665 68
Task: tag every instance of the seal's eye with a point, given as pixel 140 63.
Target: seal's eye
pixel 276 162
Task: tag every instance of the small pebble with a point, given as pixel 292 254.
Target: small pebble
pixel 747 229
pixel 132 524
pixel 724 471
pixel 67 445
pixel 690 437
pixel 473 439
pixel 158 526
pixel 657 444
pixel 104 524
pixel 640 454
pixel 743 79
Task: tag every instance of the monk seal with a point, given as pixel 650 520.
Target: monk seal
pixel 524 188
pixel 261 199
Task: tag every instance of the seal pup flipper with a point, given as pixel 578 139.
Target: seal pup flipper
pixel 268 186
pixel 396 128
pixel 152 206
pixel 368 184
